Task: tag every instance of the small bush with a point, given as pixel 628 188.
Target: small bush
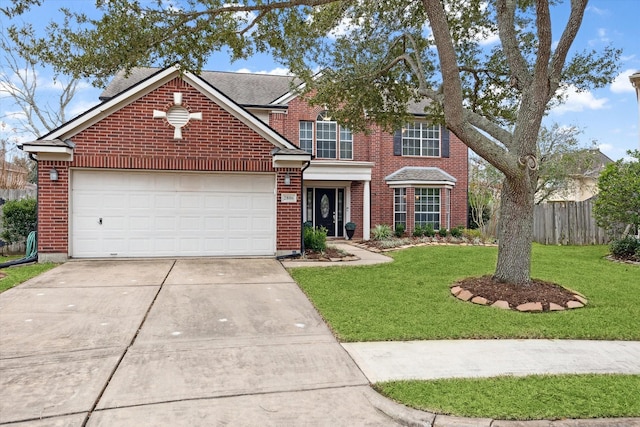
pixel 429 231
pixel 315 238
pixel 399 230
pixel 457 231
pixel 472 234
pixel 19 219
pixel 442 232
pixel 627 248
pixel 381 232
pixel 418 231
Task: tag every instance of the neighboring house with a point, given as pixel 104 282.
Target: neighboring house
pixel 226 164
pixel 584 184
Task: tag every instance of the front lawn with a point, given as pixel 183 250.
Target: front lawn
pixel 409 299
pixel 523 398
pixel 18 274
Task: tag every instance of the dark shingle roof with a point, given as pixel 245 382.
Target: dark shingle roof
pixel 243 88
pixel 425 174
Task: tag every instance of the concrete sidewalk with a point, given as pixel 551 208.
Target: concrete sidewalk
pixel 388 361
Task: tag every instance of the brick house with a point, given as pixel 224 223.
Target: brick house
pixel 226 164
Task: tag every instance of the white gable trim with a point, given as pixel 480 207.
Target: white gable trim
pixel 143 88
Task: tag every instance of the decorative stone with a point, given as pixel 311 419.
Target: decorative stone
pixel 456 290
pixel 479 300
pixel 335 259
pixel 555 307
pixel 530 306
pixel 575 304
pixel 580 298
pixel 465 295
pixel 501 304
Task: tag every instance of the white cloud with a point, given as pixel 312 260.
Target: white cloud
pixel 597 11
pixel 278 71
pixel 576 101
pixel 621 84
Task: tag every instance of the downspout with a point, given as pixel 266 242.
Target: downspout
pixel 302 207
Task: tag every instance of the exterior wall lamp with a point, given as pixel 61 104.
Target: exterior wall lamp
pixel 53 174
pixel 287 179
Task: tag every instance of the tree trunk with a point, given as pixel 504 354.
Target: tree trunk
pixel 515 232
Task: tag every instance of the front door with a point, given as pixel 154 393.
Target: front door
pixel 325 211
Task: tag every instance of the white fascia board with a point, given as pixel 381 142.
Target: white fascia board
pixel 321 170
pixel 290 161
pixel 103 110
pixel 413 183
pixel 240 113
pixel 47 149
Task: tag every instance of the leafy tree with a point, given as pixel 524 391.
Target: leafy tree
pixel 485 187
pixel 561 158
pixel 617 207
pixel 376 57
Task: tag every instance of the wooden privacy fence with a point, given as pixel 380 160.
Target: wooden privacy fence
pixel 567 223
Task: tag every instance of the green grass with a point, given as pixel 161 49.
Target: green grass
pixel 409 299
pixel 523 398
pixel 19 274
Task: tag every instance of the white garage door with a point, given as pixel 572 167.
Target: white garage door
pixel 140 214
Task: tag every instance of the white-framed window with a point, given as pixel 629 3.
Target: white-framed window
pixel 325 138
pixel 421 139
pixel 427 207
pixel 400 207
pixel 306 136
pixel 346 143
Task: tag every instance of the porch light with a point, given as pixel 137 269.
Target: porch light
pixel 53 174
pixel 287 179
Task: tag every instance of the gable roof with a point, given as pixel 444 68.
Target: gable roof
pixel 152 81
pixel 243 88
pixel 246 89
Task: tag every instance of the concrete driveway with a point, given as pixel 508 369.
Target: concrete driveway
pixel 188 342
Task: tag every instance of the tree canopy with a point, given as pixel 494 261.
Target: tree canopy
pixel 375 59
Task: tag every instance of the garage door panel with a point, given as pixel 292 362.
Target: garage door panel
pixel 172 214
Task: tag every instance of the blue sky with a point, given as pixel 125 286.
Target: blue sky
pixel 608 116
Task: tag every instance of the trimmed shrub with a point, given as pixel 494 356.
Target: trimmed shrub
pixel 399 230
pixel 418 231
pixel 442 232
pixel 457 231
pixel 315 239
pixel 472 234
pixel 19 219
pixel 381 232
pixel 627 248
pixel 429 231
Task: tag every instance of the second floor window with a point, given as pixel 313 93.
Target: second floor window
pixel 332 141
pixel 421 139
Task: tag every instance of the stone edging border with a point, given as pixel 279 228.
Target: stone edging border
pixel 465 295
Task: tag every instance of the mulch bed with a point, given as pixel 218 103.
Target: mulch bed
pixel 537 291
pixel 330 253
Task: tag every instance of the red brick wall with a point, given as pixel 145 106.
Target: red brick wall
pixel 131 138
pixel 377 147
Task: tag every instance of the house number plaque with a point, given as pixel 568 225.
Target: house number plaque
pixel 288 197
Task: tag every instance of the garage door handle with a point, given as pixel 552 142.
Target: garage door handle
pixel 100 221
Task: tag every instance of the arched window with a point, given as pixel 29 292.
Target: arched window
pixel 331 140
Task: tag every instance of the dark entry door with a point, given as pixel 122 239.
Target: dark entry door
pixel 325 215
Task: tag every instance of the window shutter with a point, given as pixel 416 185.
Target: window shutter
pixel 397 143
pixel 444 139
